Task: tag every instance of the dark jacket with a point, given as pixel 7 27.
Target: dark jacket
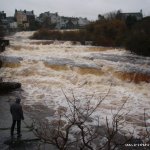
pixel 16 111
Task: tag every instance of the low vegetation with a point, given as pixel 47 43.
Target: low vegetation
pixel 113 31
pixel 44 34
pixel 138 40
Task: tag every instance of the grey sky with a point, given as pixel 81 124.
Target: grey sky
pixel 76 8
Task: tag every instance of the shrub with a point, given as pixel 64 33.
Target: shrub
pixel 133 34
pixel 76 35
pixel 107 32
pixel 47 35
pixel 138 40
pixel 138 44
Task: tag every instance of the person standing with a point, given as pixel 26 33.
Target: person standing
pixel 17 116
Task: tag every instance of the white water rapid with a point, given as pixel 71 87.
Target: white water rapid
pixel 44 68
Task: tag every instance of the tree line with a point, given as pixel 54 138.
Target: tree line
pixel 112 30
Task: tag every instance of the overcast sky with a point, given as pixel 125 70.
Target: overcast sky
pixel 75 8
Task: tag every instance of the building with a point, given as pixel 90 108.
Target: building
pixel 67 23
pixel 100 17
pixel 2 15
pixel 4 25
pixel 72 23
pixel 53 17
pixel 121 15
pixel 12 23
pixel 137 15
pixel 61 22
pixel 25 19
pixel 82 22
pixel 49 20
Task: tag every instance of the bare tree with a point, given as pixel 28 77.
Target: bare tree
pixel 114 15
pixel 146 137
pixel 72 130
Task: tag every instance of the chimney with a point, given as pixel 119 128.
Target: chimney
pixel 25 11
pixel 32 12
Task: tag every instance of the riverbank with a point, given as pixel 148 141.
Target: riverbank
pixel 28 140
pixel 6 120
pixel 8 92
pixel 6 87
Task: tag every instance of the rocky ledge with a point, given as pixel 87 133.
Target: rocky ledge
pixel 9 86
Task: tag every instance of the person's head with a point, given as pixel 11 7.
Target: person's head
pixel 18 100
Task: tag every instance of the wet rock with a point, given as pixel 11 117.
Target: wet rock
pixel 59 61
pixel 3 44
pixel 10 61
pixel 66 64
pixel 126 63
pixel 86 65
pixel 39 108
pixel 9 86
pixel 134 69
pixel 133 59
pixel 28 141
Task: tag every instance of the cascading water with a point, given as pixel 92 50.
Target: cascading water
pixel 45 68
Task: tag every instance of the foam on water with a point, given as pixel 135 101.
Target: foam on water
pixel 42 75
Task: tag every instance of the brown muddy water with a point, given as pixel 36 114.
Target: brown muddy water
pixel 44 68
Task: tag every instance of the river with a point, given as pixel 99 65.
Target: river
pixel 45 68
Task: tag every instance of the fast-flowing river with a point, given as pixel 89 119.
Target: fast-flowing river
pixel 45 68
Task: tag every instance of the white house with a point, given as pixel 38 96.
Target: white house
pixel 13 25
pixel 83 22
pixel 137 15
pixel 63 22
pixel 53 17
